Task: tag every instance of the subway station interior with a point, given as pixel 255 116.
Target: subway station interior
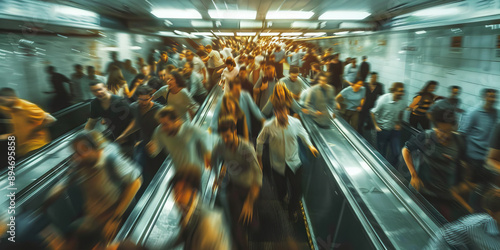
pixel 237 124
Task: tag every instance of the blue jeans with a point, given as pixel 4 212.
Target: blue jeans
pixel 392 138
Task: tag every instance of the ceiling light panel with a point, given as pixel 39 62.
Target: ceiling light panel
pixel 232 14
pixel 224 34
pixel 177 13
pixel 291 34
pixel 305 25
pixel 282 14
pixel 250 24
pixel 246 33
pixel 315 34
pixel 269 34
pixel 344 15
pixel 202 24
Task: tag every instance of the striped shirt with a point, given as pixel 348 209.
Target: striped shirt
pixel 475 231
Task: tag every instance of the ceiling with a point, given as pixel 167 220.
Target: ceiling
pixel 137 17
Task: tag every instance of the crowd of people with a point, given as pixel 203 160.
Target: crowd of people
pixel 453 162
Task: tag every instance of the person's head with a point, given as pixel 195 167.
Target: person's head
pixel 188 67
pixel 294 73
pixel 169 120
pixel 227 130
pixel 175 80
pixel 174 49
pixel 491 203
pixel 490 97
pixel 398 90
pixel 230 64
pixel 270 71
pixel 455 91
pixel 162 74
pixel 208 48
pixel 235 87
pixel 428 88
pixel 444 119
pixel 281 96
pixel 230 106
pixel 374 77
pixel 336 56
pixel 281 114
pixel 272 58
pixel 364 58
pixel 189 55
pixel 353 60
pixel 145 69
pixel 115 79
pixel 186 184
pixel 78 68
pixel 90 70
pixel 114 55
pixel 250 59
pixel 358 84
pixel 99 90
pixel 88 147
pixel 8 97
pixel 263 64
pixel 51 69
pixel 139 78
pixel 201 47
pixel 243 72
pixel 128 63
pixel 164 56
pixel 144 96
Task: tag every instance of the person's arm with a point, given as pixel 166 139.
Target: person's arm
pixel 91 122
pixel 214 124
pixel 416 182
pixel 261 139
pixel 494 158
pixel 47 122
pixel 338 100
pixel 267 109
pixel 361 103
pixel 204 73
pixel 305 138
pixel 154 147
pixel 467 123
pixel 375 122
pixel 129 93
pixel 254 109
pixel 131 128
pixel 160 92
pixel 414 103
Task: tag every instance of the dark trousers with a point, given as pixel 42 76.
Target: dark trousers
pixel 148 165
pixel 476 173
pixel 365 118
pixel 214 76
pixel 419 119
pixel 236 196
pixel 279 70
pixel 351 117
pixel 295 192
pixel 200 98
pixel 390 138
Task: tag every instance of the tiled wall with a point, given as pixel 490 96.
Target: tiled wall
pixel 23 58
pixel 416 58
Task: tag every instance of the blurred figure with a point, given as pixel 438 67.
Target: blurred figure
pixel 184 142
pixel 114 62
pixel 374 90
pixel 438 175
pixel 245 178
pixel 421 104
pixel 475 231
pixel 315 72
pixel 113 109
pixel 144 111
pixel 164 61
pixel 279 58
pixel 214 64
pixel 309 59
pixel 336 69
pixel 387 115
pixel 175 56
pixel 252 69
pixel 90 77
pixel 77 80
pixel 282 132
pixel 493 159
pixel 177 96
pixel 352 98
pixel 129 71
pixel 29 123
pixel 320 101
pixel 230 109
pixel 201 227
pixel 62 99
pixel 194 82
pixel 228 73
pixel 294 83
pixel 201 52
pixel 107 180
pixel 351 72
pixel 198 65
pixel 264 87
pixel 117 84
pixel 281 97
pixel 246 85
pixel 364 69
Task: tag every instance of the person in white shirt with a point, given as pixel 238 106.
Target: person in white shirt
pixel 228 73
pixel 214 64
pixel 282 132
pixel 198 65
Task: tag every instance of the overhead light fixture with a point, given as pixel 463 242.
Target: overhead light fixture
pixel 232 14
pixel 246 33
pixel 224 34
pixel 358 32
pixel 315 34
pixel 177 13
pixel 168 23
pixel 201 33
pixel 202 24
pixel 269 34
pixel 167 33
pixel 74 11
pixel 341 33
pixel 438 11
pixel 250 24
pixel 135 48
pixel 292 34
pixel 110 49
pixel 283 14
pixel 305 25
pixel 420 32
pixel 344 15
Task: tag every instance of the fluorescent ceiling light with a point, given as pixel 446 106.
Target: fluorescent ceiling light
pixel 246 33
pixel 305 25
pixel 315 34
pixel 344 15
pixel 420 32
pixel 168 33
pixel 341 33
pixel 202 24
pixel 437 11
pixel 224 34
pixel 291 34
pixel 110 49
pixel 269 34
pixel 202 33
pixel 135 48
pixel 232 14
pixel 289 15
pixel 358 32
pixel 177 13
pixel 74 11
pixel 250 24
